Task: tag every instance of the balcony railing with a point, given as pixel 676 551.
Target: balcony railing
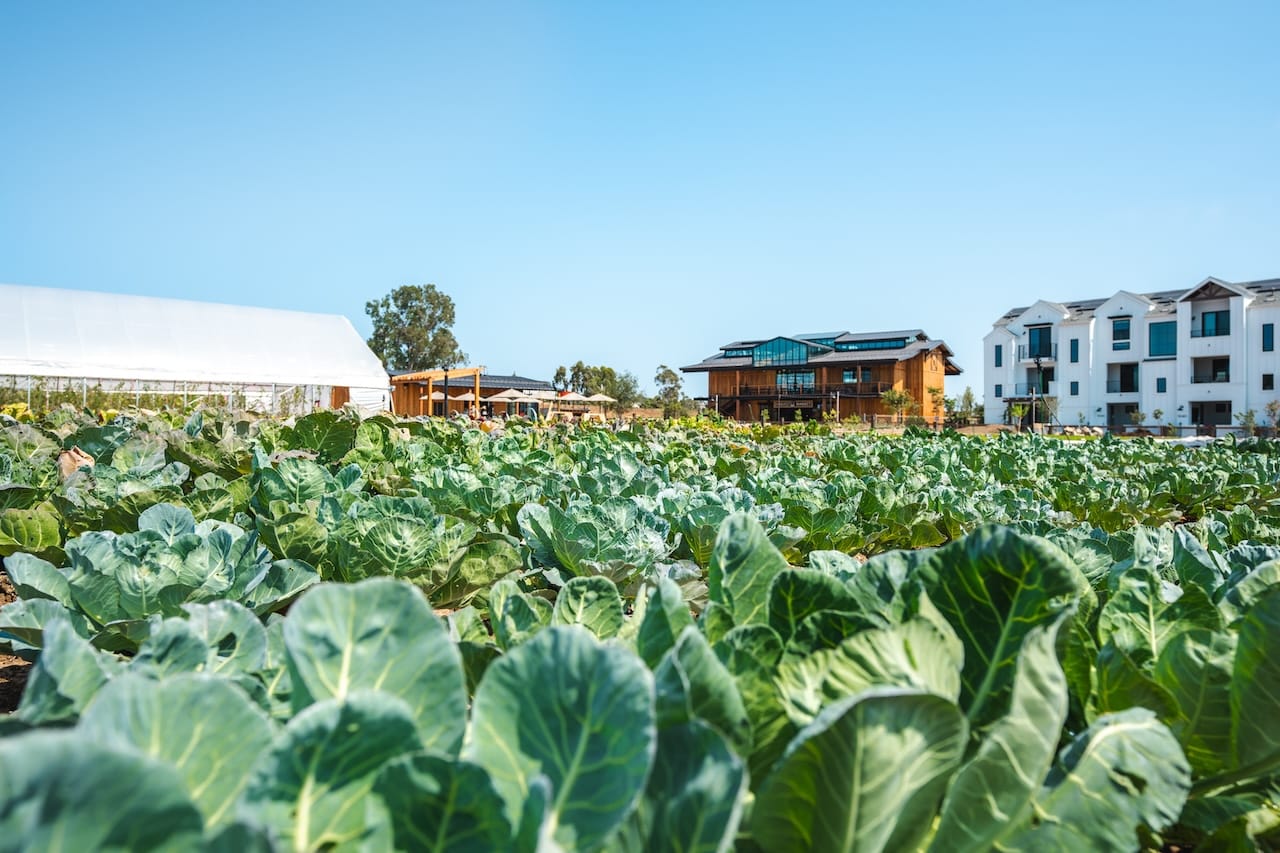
pixel 1044 352
pixel 1039 389
pixel 1210 377
pixel 1210 333
pixel 1122 386
pixel 844 389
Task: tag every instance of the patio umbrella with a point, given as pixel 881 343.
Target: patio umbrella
pixel 572 397
pixel 600 398
pixel 435 395
pixel 509 394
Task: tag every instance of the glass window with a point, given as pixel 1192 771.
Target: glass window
pixel 999 357
pixel 887 343
pixel 1268 382
pixel 1075 387
pixel 1268 337
pixel 849 376
pixel 1075 350
pixel 1162 385
pixel 867 375
pixel 795 380
pixel 1039 340
pixel 738 353
pixel 1162 339
pixel 999 390
pixel 1214 324
pixel 1120 333
pixel 780 351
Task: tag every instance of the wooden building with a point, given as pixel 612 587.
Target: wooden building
pixel 835 372
pixel 424 392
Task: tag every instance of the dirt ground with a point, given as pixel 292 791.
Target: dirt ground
pixel 13 671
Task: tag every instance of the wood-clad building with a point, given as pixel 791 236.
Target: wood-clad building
pixel 423 392
pixel 838 372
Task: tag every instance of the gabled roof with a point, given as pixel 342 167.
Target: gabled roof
pixel 1163 301
pixel 47 331
pixel 917 342
pixel 1214 288
pixel 491 380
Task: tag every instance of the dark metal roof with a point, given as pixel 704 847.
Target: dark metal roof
pixel 921 343
pixel 491 380
pixel 1080 308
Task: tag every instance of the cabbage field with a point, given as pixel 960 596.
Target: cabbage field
pixel 342 634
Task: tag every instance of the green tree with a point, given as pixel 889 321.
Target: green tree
pixel 669 395
pixel 412 329
pixel 589 379
pixel 896 401
pixel 967 403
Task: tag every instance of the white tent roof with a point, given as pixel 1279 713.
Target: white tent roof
pixel 54 332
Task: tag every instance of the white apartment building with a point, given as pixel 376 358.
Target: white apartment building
pixel 1185 357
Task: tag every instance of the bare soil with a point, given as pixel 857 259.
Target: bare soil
pixel 13 670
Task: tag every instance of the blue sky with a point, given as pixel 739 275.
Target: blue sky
pixel 637 184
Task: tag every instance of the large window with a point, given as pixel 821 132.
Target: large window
pixel 1162 339
pixel 1213 324
pixel 1120 333
pixel 739 353
pixel 1268 337
pixel 856 346
pixel 849 376
pixel 781 351
pixel 1075 350
pixel 795 380
pixel 999 357
pixel 1039 342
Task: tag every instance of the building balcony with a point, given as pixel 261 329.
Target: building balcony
pixel 1037 389
pixel 1121 386
pixel 1043 352
pixel 1210 378
pixel 1210 333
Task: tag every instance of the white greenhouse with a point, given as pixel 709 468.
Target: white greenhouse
pixel 64 345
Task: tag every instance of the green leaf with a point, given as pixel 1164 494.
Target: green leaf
pixel 1124 772
pixel 994 586
pixel 1146 612
pixel 593 603
pixel 911 655
pixel 991 796
pixel 694 798
pixel 35 531
pixel 516 616
pixel 310 789
pixel 1255 686
pixel 743 565
pixel 866 775
pixel 66 676
pixel 60 792
pixel 284 581
pixel 326 433
pixel 1195 669
pixel 438 804
pixel 666 615
pixel 202 726
pixel 1119 683
pixel 710 691
pixel 33 577
pixel 382 635
pixel 563 705
pixel 799 593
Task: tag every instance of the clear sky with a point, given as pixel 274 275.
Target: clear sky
pixel 634 184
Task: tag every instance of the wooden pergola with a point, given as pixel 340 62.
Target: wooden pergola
pixel 430 377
